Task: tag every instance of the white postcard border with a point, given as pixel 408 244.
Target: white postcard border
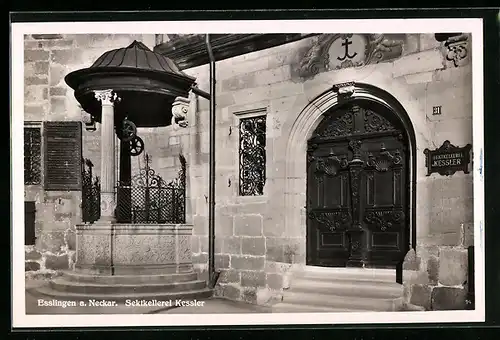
pixel 20 319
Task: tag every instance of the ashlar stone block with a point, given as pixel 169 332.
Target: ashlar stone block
pixel 253 246
pixel 253 279
pixel 453 265
pixel 421 295
pixel 449 298
pixel 248 225
pixel 57 262
pixel 231 245
pixel 247 262
pixel 229 276
pixel 31 266
pixel 228 291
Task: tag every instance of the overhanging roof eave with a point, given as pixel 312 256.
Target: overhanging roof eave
pixel 190 51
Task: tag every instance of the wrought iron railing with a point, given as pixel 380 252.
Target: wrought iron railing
pixel 150 199
pixel 91 193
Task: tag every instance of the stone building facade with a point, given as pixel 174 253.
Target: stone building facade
pixel 48 58
pixel 262 236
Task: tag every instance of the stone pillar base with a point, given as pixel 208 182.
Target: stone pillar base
pixel 133 249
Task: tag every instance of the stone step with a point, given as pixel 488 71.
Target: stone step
pixel 283 307
pixel 128 279
pixel 199 294
pixel 348 288
pixel 63 285
pixel 339 301
pixel 347 274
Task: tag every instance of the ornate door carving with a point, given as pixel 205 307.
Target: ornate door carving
pixel 357 192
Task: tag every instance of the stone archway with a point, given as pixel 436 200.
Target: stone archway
pixel 302 129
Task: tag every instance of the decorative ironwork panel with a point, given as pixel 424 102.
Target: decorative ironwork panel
pixel 339 126
pixel 252 156
pixel 150 199
pixel 32 155
pixel 352 119
pixel 91 193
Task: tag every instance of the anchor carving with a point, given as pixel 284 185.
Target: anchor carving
pixel 346 44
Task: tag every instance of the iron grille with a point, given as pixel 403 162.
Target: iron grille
pixel 32 156
pixel 91 193
pixel 252 156
pixel 150 199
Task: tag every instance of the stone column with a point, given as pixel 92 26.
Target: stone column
pixel 108 182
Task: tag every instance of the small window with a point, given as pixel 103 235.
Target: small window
pixel 252 155
pixel 32 155
pixel 63 156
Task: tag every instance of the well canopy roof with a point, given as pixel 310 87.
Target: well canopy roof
pixel 147 82
pixel 139 56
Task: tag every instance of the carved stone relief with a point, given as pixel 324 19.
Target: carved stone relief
pixel 456 50
pixel 180 109
pixel 338 51
pixel 88 120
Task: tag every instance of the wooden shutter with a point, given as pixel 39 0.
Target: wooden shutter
pixel 63 154
pixel 29 223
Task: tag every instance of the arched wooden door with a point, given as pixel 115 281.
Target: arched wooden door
pixel 358 188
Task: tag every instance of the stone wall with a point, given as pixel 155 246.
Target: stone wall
pixel 47 60
pixel 258 239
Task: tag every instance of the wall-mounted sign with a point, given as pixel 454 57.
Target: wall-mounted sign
pixel 447 159
pixel 436 110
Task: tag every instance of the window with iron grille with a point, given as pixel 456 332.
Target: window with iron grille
pixel 32 155
pixel 63 156
pixel 252 155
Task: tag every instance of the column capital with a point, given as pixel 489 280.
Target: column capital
pixel 106 97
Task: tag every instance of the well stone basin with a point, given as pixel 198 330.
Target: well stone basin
pixel 133 249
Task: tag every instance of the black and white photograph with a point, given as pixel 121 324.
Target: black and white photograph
pixel 247 172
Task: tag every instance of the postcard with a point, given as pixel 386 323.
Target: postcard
pixel 247 172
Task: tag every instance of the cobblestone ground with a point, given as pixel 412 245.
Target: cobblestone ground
pixel 210 306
